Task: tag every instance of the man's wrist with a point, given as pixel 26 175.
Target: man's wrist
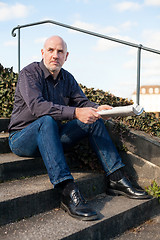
pixel 75 115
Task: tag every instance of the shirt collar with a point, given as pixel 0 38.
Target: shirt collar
pixel 47 73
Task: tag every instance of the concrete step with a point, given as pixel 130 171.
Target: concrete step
pixel 14 167
pixel 4 146
pixel 116 215
pixel 140 170
pixel 143 145
pixel 26 197
pixel 4 122
pixel 137 142
pixel 146 231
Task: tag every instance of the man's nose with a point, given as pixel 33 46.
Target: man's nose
pixel 55 54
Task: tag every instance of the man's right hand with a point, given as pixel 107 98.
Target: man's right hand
pixel 87 115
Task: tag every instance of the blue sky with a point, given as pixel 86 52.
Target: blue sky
pixel 94 62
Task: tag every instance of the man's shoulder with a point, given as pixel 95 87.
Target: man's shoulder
pixel 66 74
pixel 34 66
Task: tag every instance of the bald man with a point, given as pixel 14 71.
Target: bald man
pixel 45 95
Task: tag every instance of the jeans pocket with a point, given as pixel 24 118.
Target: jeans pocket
pixel 12 134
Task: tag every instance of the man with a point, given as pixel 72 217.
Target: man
pixel 45 95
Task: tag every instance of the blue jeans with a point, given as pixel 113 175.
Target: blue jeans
pixel 49 138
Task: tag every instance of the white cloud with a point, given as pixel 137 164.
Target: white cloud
pixel 10 43
pixel 84 25
pixel 79 1
pixel 152 38
pixel 8 12
pixel 40 40
pixel 35 58
pixel 83 1
pixel 127 5
pixel 128 25
pixel 105 45
pixel 132 64
pixel 108 30
pixel 152 2
pixel 93 27
pixel 150 62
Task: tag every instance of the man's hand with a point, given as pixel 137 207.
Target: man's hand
pixel 87 115
pixel 104 107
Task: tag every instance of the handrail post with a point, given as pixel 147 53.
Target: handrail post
pixel 138 73
pixel 19 50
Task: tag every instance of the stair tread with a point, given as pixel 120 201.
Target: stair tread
pixel 11 157
pixel 4 135
pixel 23 187
pixel 56 224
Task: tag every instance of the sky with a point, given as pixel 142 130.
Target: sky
pixel 94 62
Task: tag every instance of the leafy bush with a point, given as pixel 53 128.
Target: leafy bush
pixel 101 97
pixel 154 190
pixel 146 122
pixel 8 81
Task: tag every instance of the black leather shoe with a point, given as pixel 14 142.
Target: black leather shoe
pixel 77 207
pixel 125 188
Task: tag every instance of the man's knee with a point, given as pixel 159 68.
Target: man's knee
pixel 48 122
pixel 99 123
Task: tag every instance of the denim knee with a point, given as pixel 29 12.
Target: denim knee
pixel 48 122
pixel 98 125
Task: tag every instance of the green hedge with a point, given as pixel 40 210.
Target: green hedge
pixel 8 81
pixel 146 122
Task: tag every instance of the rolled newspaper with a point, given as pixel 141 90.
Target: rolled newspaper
pixel 130 110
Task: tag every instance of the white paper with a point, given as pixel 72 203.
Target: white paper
pixel 130 110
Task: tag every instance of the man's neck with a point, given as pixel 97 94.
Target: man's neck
pixel 54 74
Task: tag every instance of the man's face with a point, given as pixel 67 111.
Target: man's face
pixel 54 54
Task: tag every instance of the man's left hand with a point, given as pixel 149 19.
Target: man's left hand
pixel 104 107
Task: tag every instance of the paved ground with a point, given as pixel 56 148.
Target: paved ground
pixel 150 230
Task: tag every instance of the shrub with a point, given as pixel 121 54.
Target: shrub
pixel 8 81
pixel 154 190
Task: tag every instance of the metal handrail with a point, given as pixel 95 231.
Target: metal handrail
pixel 138 46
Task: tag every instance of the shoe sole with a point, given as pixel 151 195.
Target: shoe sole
pixel 90 218
pixel 118 193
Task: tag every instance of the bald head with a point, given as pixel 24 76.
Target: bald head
pixel 54 54
pixel 57 39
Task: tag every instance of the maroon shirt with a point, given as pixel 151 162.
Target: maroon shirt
pixel 38 94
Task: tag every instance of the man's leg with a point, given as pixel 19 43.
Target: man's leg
pixel 102 144
pixel 43 136
pixel 74 131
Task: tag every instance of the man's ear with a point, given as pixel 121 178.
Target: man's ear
pixel 67 56
pixel 42 52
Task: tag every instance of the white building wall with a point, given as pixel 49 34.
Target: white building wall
pixel 150 102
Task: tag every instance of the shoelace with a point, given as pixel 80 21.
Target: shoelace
pixel 76 197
